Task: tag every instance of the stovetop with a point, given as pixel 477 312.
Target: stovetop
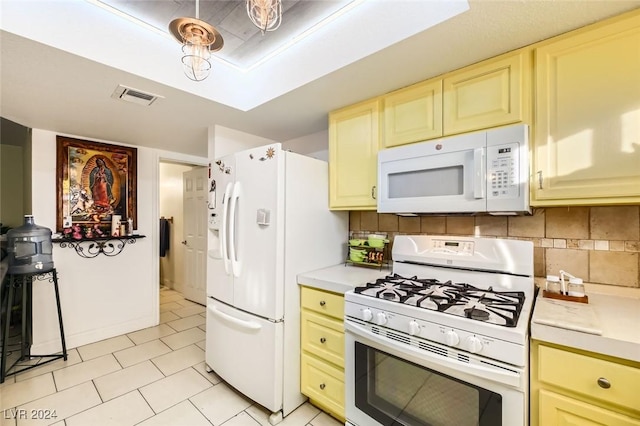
pixel 465 296
pixel 453 298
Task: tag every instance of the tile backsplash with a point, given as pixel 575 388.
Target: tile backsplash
pixel 599 244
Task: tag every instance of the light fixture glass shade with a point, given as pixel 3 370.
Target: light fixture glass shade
pixel 196 60
pixel 198 40
pixel 265 14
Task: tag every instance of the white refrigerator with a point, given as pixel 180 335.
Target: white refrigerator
pixel 269 220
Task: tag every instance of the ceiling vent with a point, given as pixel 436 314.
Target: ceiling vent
pixel 135 96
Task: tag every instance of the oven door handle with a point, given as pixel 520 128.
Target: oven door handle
pixel 505 377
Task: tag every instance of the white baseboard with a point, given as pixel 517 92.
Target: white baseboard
pixel 87 337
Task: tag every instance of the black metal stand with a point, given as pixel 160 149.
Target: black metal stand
pixel 92 247
pixel 17 283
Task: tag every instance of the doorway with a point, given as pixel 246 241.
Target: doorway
pixel 177 264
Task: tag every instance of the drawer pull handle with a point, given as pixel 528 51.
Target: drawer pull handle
pixel 322 386
pixel 604 383
pixel 322 340
pixel 322 303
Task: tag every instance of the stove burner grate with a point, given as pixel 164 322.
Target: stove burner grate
pixel 462 299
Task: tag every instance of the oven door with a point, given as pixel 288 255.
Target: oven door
pixel 392 383
pixel 447 175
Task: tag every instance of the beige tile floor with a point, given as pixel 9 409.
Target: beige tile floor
pixel 154 376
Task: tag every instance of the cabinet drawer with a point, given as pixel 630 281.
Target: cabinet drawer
pixel 323 302
pixel 582 374
pixel 323 337
pixel 556 409
pixel 323 383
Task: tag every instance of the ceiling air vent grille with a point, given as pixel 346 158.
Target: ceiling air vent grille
pixel 135 96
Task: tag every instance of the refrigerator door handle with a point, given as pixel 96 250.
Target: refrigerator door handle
pixel 249 325
pixel 236 264
pixel 225 225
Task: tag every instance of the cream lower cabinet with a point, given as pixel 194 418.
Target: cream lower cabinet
pixel 354 136
pixel 491 93
pixel 587 128
pixel 413 114
pixel 571 387
pixel 322 350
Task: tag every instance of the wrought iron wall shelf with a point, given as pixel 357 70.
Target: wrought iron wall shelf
pixel 92 247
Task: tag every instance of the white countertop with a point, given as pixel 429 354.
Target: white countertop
pixel 341 278
pixel 611 322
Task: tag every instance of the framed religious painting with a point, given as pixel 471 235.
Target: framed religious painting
pixel 96 184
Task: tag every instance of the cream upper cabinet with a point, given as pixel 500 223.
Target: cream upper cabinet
pixel 413 114
pixel 587 126
pixel 353 156
pixel 491 93
pixel 569 386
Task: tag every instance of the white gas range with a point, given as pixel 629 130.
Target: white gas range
pixel 451 320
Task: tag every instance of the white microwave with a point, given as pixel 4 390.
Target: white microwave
pixel 480 172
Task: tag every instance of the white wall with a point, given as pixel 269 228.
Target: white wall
pixel 224 141
pixel 227 141
pixel 104 296
pixel 171 207
pixel 315 145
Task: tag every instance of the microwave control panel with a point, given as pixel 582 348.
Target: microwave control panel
pixel 502 171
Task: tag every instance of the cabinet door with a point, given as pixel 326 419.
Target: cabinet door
pixel 587 144
pixel 324 384
pixel 323 302
pixel 413 114
pixel 559 410
pixel 353 156
pixel 492 93
pixel 582 374
pixel 323 337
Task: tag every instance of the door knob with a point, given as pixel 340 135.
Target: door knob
pixel 184 242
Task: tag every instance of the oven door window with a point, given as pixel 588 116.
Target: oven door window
pixel 394 391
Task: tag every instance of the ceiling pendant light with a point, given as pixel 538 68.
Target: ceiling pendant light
pixel 198 40
pixel 265 14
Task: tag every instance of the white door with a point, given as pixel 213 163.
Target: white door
pixel 219 273
pixel 257 205
pixel 195 234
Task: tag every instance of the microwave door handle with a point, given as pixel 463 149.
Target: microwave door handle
pixel 479 173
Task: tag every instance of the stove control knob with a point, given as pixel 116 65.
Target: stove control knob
pixel 414 328
pixel 367 315
pixel 451 337
pixel 381 318
pixel 475 345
